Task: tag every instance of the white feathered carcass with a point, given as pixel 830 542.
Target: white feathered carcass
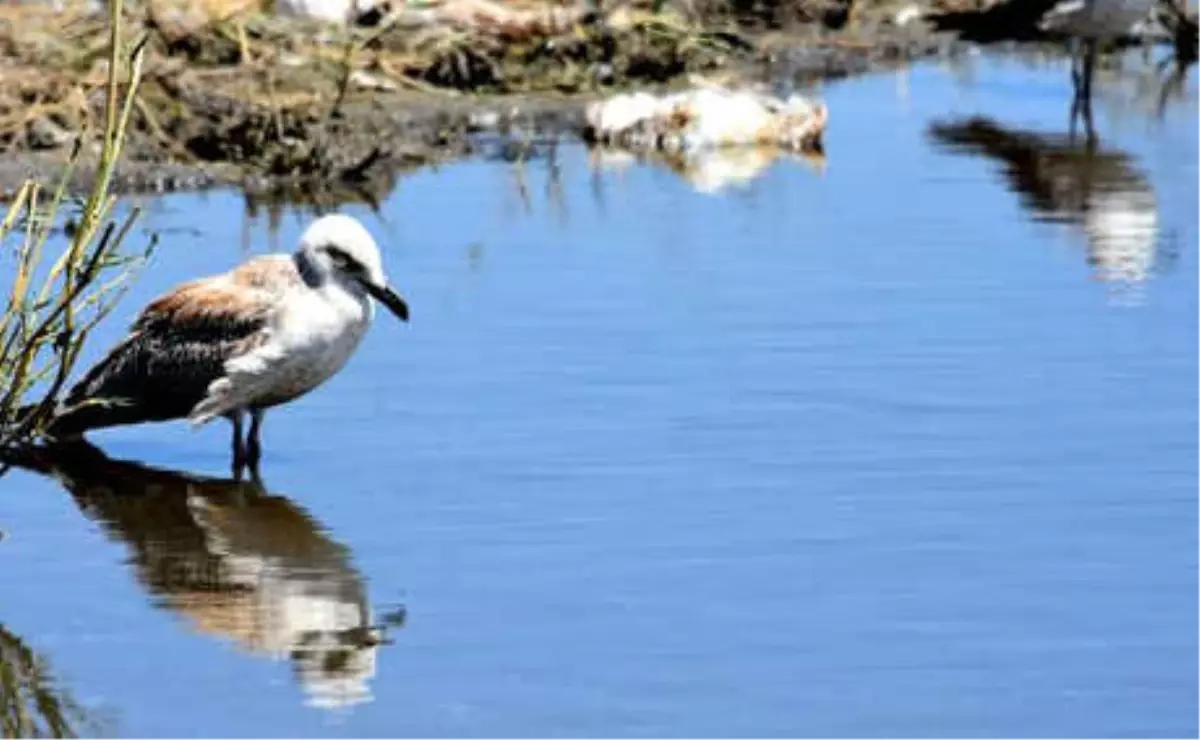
pixel 707 117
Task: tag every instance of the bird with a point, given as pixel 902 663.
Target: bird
pixel 1091 22
pixel 236 344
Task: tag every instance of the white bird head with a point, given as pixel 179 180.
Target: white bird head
pixel 339 247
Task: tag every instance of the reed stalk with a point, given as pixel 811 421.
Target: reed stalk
pixel 33 703
pixel 52 308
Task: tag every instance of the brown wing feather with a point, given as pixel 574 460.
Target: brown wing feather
pixel 177 346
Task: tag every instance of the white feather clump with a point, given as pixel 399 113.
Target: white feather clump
pixel 330 11
pixel 707 117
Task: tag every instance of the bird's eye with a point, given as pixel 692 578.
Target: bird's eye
pixel 341 260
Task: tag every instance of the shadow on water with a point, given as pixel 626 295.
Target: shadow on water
pixel 32 702
pixel 1091 189
pixel 236 562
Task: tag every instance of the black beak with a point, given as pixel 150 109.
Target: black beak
pixel 388 297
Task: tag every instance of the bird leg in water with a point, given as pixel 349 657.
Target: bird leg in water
pixel 1076 76
pixel 1076 87
pixel 253 441
pixel 1091 52
pixel 1089 128
pixel 1083 67
pixel 239 445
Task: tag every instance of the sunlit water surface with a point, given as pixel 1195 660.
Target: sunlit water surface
pixel 900 444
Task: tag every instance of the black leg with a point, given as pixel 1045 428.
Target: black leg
pixel 1089 128
pixel 1083 67
pixel 1076 90
pixel 1089 70
pixel 1091 51
pixel 254 441
pixel 239 444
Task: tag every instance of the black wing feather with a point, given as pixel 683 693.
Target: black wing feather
pixel 160 371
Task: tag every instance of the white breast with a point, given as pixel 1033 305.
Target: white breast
pixel 316 334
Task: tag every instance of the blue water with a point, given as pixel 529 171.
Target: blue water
pixel 888 449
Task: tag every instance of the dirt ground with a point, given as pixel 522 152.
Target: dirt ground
pixel 279 105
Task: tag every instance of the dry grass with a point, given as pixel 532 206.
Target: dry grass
pixel 226 62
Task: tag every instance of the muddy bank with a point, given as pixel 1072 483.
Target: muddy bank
pixel 355 154
pixel 277 104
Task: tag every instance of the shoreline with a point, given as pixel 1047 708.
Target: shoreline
pixel 297 107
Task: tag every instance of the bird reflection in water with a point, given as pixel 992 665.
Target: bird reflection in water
pixel 1089 188
pixel 234 561
pixel 708 171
